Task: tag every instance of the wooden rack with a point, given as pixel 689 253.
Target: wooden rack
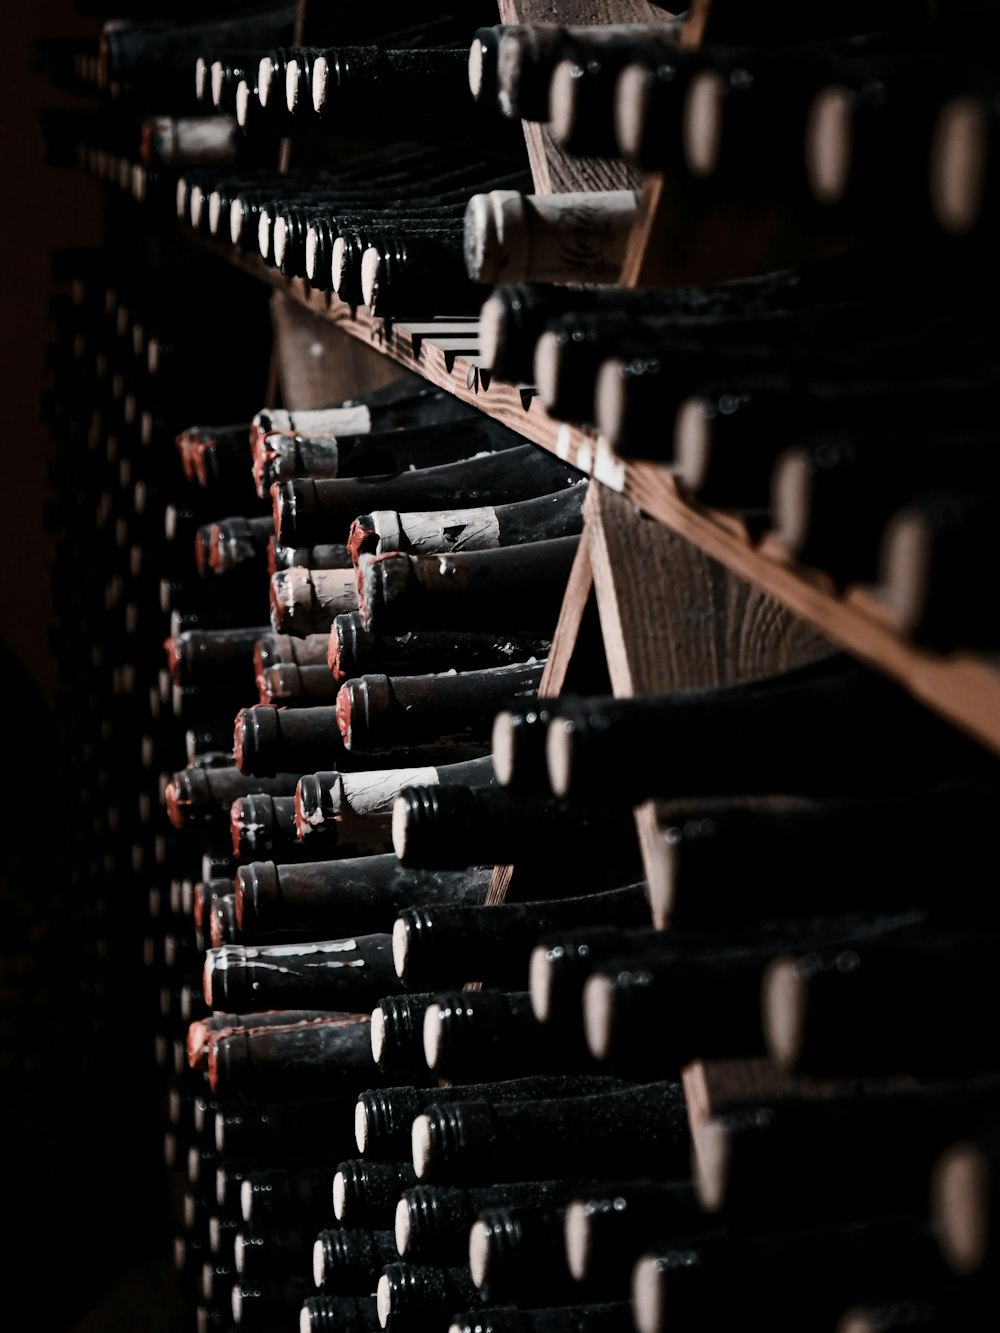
pixel 684 596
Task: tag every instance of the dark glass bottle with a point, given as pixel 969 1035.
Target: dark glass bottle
pixel 359 893
pixel 819 1265
pixel 815 725
pixel 743 862
pixel 307 601
pixel 452 945
pixel 334 808
pixel 307 512
pixel 318 1055
pixel 384 1116
pixel 872 1145
pixel 346 1260
pixel 380 713
pixel 410 1294
pixel 615 1133
pixel 354 651
pixel 519 588
pixel 325 974
pixel 581 237
pixel 284 456
pixel 483 529
pixel 448 829
pixel 606 1229
pixel 433 1221
pixel 528 54
pixel 882 1006
pixel 365 1193
pixel 932 552
pixel 204 795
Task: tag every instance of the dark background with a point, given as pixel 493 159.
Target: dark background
pixel 42 209
pixel 79 1248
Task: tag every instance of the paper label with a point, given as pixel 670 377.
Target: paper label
pixel 439 531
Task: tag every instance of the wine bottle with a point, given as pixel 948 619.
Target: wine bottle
pixel 880 1140
pixel 835 709
pixel 607 1317
pixel 281 456
pixel 384 1116
pixel 349 807
pixel 259 1306
pixel 614 1133
pixel 346 1260
pixel 406 403
pixel 290 686
pixel 365 1193
pixel 268 740
pixel 204 795
pixel 354 651
pixel 315 1128
pixel 261 1255
pixel 513 237
pixel 831 500
pixel 449 829
pixel 203 1030
pixel 338 1314
pixel 409 1294
pixel 199 657
pixel 264 826
pixel 520 588
pixel 433 1221
pixel 406 274
pixel 361 893
pixel 705 852
pixel 324 974
pixel 881 1006
pixel 928 1311
pixel 307 512
pixel 276 1196
pixel 380 713
pixel 528 53
pixel 442 945
pixel 607 1228
pixel 398 1033
pixel 726 440
pixel 962 1193
pixel 930 550
pixel 151 60
pixel 627 996
pixel 315 1056
pixel 960 153
pixel 306 601
pixel 438 533
pixel 273 650
pixel 235 543
pixel 518 1254
pixel 360 80
pixel 720 1272
pixel 471 1034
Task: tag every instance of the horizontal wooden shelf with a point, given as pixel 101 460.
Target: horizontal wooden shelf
pixel 964 688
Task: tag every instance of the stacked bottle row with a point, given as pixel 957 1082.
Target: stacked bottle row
pixel 871 117
pixel 546 954
pixel 840 408
pixel 582 1187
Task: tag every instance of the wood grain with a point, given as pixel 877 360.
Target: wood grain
pixel 674 618
pixel 319 363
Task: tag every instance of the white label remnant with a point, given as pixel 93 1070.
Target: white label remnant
pixel 442 530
